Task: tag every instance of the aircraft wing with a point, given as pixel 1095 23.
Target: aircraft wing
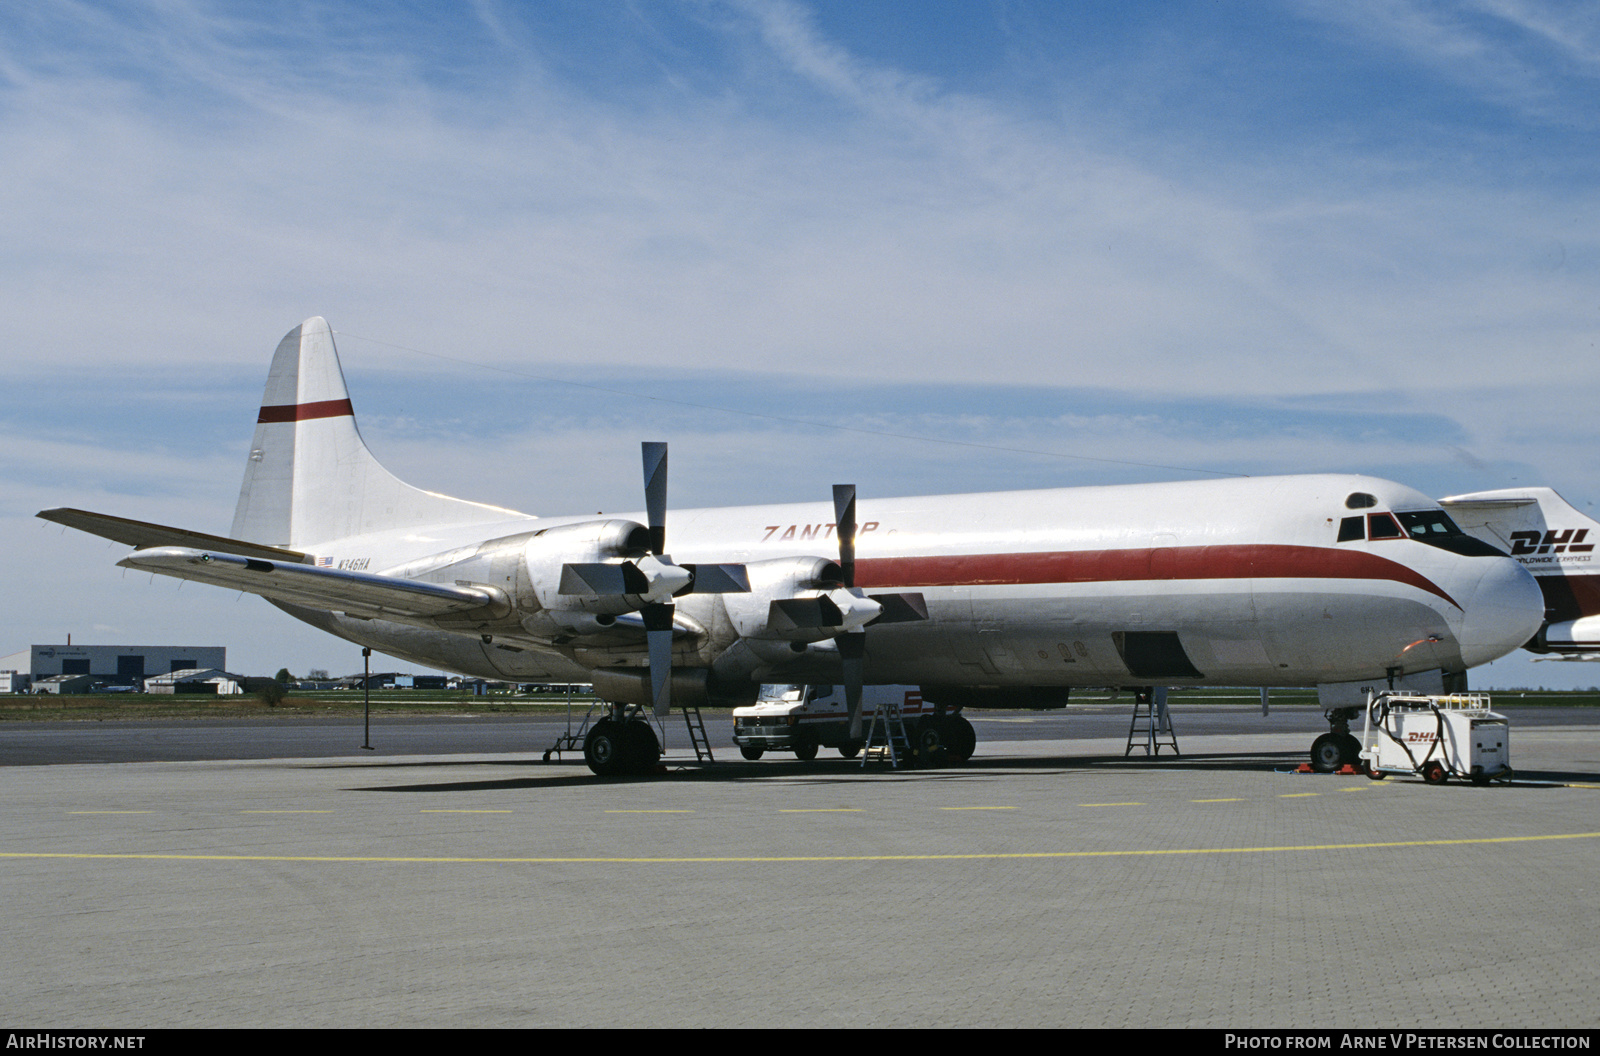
pixel 142 535
pixel 354 593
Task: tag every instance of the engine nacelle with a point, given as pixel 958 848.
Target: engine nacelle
pixel 548 552
pixel 796 599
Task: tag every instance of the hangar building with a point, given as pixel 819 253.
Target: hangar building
pixel 123 663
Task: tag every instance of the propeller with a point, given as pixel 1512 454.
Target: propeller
pixel 887 608
pixel 852 644
pixel 654 580
pixel 658 613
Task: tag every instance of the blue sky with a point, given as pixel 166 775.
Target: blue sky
pixel 1075 243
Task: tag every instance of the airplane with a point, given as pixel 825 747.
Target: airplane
pixel 1556 543
pixel 1001 599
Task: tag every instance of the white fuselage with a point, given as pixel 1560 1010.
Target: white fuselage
pixel 1234 582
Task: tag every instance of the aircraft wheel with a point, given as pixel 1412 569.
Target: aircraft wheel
pixel 1327 753
pixel 603 748
pixel 644 751
pixel 850 749
pixel 805 750
pixel 963 739
pixel 1434 773
pixel 1350 746
pixel 752 752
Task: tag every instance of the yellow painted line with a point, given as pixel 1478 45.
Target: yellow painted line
pixel 286 812
pixel 649 812
pixel 994 856
pixel 110 812
pixel 977 808
pixel 427 810
pixel 1235 799
pixel 821 810
pixel 1110 804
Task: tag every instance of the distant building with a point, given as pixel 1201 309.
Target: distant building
pixel 207 680
pixel 126 664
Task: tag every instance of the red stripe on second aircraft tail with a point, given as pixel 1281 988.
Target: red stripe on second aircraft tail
pixel 1160 563
pixel 299 412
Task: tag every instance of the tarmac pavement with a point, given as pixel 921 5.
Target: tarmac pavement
pixel 1050 882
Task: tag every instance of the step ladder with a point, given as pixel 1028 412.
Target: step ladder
pixel 570 740
pixel 896 743
pixel 1151 727
pixel 697 734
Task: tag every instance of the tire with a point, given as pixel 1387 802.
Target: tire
pixel 805 751
pixel 1376 774
pixel 930 743
pixel 1434 773
pixel 752 752
pixel 850 749
pixel 963 739
pixel 1327 753
pixel 1350 746
pixel 643 750
pixel 604 748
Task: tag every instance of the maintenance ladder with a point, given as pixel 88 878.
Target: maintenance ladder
pixel 1152 719
pixel 896 742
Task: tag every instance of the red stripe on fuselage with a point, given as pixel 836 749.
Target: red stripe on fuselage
pixel 299 412
pixel 1160 563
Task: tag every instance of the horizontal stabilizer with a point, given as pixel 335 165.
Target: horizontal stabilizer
pixel 356 593
pixel 142 535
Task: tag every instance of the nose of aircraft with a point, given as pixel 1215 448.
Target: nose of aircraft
pixel 1503 612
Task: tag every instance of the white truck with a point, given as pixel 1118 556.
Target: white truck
pixel 801 719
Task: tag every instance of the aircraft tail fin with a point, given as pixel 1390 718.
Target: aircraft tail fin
pixel 1557 543
pixel 310 477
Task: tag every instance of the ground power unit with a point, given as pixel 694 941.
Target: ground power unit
pixel 1436 737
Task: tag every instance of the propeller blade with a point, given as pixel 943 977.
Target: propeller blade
pixel 901 608
pixel 788 614
pixel 655 493
pixel 658 639
pixel 599 578
pixel 719 579
pixel 852 657
pixel 844 516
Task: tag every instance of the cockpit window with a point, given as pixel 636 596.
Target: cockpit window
pixel 1352 529
pixel 1435 528
pixel 1382 526
pixel 1360 500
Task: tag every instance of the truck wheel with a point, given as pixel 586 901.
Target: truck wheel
pixel 751 752
pixel 930 742
pixel 1434 773
pixel 805 751
pixel 850 749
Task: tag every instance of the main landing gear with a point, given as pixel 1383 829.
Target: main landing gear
pixel 1338 747
pixel 621 744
